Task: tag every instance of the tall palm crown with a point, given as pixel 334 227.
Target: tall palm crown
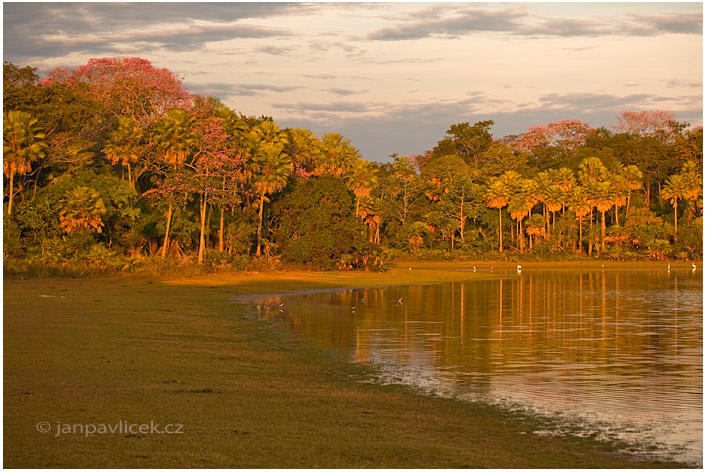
pixel 336 156
pixel 362 179
pixel 174 136
pixel 23 143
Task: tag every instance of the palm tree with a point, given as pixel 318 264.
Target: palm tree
pixel 581 205
pixel 674 189
pixel 563 178
pixel 336 155
pixel 304 148
pixel 174 139
pixel 362 179
pixel 370 213
pixel 693 184
pixel 633 177
pixel 603 195
pixel 23 143
pixel 269 169
pixel 82 209
pixel 518 209
pixel 125 145
pixel 621 189
pixel 554 201
pixel 591 173
pixel 592 168
pixel 535 227
pixel 511 179
pixel 497 196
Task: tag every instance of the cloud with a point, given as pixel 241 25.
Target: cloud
pixel 683 83
pixel 344 92
pixel 469 21
pixel 688 23
pixel 54 29
pixel 518 23
pixel 269 88
pixel 309 108
pixel 275 50
pixel 224 90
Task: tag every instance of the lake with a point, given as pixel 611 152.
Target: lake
pixel 614 354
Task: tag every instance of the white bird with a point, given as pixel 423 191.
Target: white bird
pixel 399 301
pixel 693 266
pixel 410 268
pixel 353 308
pixel 280 305
pixel 474 268
pixel 669 266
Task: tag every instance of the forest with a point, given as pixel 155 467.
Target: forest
pixel 115 166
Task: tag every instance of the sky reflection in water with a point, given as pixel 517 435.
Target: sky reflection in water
pixel 617 352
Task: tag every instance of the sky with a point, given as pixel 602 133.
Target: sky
pixel 392 77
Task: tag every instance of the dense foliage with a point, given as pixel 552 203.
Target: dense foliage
pixel 115 163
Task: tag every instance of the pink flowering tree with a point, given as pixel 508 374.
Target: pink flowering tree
pixel 218 173
pixel 646 123
pixel 566 134
pixel 127 86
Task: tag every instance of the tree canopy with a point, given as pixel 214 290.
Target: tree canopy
pixel 115 162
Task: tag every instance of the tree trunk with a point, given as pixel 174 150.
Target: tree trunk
pixel 259 225
pixel 12 191
pixel 547 225
pixel 202 239
pixel 675 222
pixel 520 236
pixel 220 232
pixel 603 232
pixel 166 232
pixel 500 227
pixel 463 219
pixel 129 177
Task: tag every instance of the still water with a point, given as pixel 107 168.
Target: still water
pixel 615 354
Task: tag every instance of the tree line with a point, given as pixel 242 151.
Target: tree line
pixel 115 163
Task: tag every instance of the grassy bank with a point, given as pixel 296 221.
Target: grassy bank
pixel 178 351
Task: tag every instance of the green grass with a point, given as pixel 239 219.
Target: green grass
pixel 178 351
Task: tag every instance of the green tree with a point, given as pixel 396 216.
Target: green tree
pixel 336 156
pixel 673 190
pixel 125 146
pixel 467 142
pixel 498 196
pixel 173 139
pixel 362 179
pixel 449 185
pixel 315 222
pixel 269 168
pixel 82 209
pixel 603 196
pixel 23 143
